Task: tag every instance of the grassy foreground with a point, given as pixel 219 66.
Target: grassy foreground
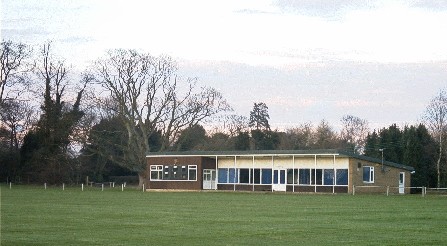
pixel 34 216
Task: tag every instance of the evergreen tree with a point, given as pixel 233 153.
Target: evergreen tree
pixel 259 117
pixel 242 141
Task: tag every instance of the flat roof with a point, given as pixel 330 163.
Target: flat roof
pixel 268 153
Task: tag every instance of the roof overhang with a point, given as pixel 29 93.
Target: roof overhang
pixel 277 153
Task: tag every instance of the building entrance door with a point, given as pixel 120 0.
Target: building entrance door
pixel 209 179
pixel 402 183
pixel 279 180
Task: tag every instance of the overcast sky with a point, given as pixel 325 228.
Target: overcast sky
pixel 308 60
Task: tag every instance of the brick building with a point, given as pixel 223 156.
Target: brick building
pixel 329 171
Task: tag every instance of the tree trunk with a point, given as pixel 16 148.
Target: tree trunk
pixel 141 180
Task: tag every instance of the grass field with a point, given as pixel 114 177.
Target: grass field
pixel 34 216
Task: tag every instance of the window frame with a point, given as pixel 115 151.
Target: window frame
pixel 370 178
pixel 191 168
pixel 156 169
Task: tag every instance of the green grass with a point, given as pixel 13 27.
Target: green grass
pixel 34 216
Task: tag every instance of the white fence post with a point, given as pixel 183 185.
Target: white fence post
pixel 10 185
pixel 63 186
pixel 45 185
pixel 82 187
pixel 122 187
pixel 143 187
pixel 387 190
pixel 353 190
pixel 102 187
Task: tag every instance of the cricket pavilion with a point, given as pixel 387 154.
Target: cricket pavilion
pixel 327 171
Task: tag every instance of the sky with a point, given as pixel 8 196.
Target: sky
pixel 308 60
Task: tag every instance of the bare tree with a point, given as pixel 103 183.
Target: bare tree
pixel 301 137
pixel 435 117
pixel 48 145
pixel 12 57
pixel 17 117
pixel 354 131
pixel 150 97
pixel 325 137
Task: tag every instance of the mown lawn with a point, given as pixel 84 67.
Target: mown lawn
pixel 34 216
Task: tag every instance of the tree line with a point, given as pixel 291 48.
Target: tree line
pixel 58 126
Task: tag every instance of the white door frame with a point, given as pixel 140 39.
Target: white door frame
pixel 280 176
pixel 402 183
pixel 209 179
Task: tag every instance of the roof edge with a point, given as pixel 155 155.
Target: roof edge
pixel 319 152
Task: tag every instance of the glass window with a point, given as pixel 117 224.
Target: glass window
pixel 292 173
pixel 328 177
pixel 233 175
pixel 304 176
pixel 282 175
pixel 222 175
pixel 342 177
pixel 244 176
pixel 156 172
pixel 275 176
pixel 256 176
pixel 368 174
pixel 192 174
pixel 266 176
pixel 317 176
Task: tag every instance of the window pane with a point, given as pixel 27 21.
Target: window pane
pixel 154 175
pixel 328 177
pixel 366 174
pixel 192 174
pixel 304 176
pixel 233 175
pixel 317 176
pixel 244 176
pixel 282 174
pixel 266 176
pixel 342 177
pixel 256 176
pixel 292 176
pixel 275 176
pixel 223 175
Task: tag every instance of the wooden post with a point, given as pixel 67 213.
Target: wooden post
pixel 63 186
pixel 122 187
pixel 353 189
pixel 45 185
pixel 82 187
pixel 102 187
pixel 387 190
pixel 10 185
